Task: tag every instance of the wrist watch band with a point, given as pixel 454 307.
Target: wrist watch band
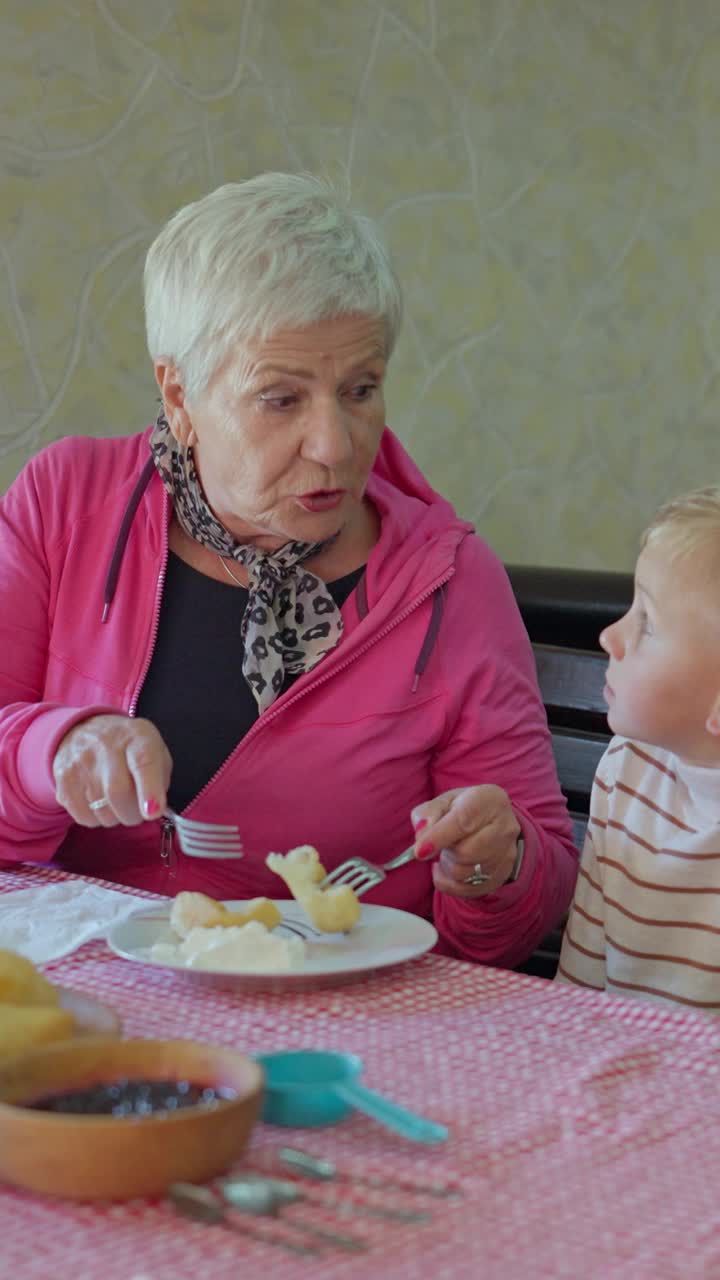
pixel 517 865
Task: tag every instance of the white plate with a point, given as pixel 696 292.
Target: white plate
pixel 381 938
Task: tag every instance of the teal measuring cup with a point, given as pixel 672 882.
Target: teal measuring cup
pixel 306 1088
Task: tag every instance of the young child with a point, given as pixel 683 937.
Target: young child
pixel 645 919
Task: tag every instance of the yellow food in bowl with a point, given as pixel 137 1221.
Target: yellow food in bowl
pixel 20 982
pixel 25 1027
pixel 29 1007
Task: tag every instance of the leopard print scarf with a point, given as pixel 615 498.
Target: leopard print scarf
pixel 290 621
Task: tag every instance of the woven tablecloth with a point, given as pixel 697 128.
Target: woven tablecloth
pixel 584 1131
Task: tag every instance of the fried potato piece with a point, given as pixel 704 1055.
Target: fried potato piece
pixel 21 984
pixel 332 910
pixel 24 1027
pixel 192 911
pixel 260 909
pixel 196 910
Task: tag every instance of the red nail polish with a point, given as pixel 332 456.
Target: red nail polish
pixel 151 808
pixel 422 823
pixel 425 850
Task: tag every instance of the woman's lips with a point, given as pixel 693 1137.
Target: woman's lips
pixel 608 693
pixel 321 499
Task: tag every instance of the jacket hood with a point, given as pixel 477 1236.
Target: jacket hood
pixel 420 532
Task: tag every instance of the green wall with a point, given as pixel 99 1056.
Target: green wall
pixel 547 173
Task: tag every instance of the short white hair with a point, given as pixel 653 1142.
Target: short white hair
pixel 280 251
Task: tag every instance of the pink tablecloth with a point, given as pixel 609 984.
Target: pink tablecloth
pixel 585 1131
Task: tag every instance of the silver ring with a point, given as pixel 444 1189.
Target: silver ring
pixel 102 803
pixel 478 875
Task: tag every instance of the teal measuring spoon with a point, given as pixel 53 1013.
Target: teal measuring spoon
pixel 306 1088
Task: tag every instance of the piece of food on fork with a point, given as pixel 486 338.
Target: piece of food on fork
pixel 197 910
pixel 332 910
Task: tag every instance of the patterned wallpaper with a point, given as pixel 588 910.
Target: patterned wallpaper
pixel 546 171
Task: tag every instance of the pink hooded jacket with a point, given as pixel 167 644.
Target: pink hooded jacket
pixel 432 687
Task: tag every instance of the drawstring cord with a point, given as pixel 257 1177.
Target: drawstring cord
pixel 428 644
pixel 113 573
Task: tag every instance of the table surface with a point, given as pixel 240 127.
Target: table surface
pixel 584 1130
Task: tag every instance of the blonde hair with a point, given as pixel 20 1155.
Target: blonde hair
pixel 280 251
pixel 687 524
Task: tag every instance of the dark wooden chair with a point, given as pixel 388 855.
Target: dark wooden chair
pixel 564 611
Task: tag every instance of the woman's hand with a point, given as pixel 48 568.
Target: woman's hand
pixel 117 759
pixel 476 831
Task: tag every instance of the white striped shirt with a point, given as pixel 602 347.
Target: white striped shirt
pixel 645 919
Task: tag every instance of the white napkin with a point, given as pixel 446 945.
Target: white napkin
pixel 54 920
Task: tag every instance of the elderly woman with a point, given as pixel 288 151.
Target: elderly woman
pixel 259 612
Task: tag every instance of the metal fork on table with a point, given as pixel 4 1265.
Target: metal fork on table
pixel 362 875
pixel 205 839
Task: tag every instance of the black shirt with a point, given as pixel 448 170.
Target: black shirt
pixel 194 692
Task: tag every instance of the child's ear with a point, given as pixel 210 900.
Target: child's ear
pixel 712 724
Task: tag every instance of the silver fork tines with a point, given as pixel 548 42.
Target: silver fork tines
pixel 362 875
pixel 206 839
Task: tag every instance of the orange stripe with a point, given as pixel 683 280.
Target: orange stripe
pixel 654 848
pixel 667 995
pixel 651 884
pixel 618 826
pixel 643 755
pixel 660 958
pixel 591 955
pixel 578 910
pixel 690 857
pixel 576 981
pixel 638 795
pixel 652 923
pixel 585 875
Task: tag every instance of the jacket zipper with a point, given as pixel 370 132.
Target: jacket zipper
pixel 272 715
pixel 168 855
pixel 167 847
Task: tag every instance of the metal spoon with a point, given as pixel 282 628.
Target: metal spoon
pixel 326 1171
pixel 287 1192
pixel 258 1195
pixel 199 1204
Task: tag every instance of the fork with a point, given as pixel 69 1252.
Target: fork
pixel 362 875
pixel 205 839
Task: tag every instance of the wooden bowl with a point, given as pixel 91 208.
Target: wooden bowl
pixel 100 1157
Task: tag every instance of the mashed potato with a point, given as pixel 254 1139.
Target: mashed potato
pixel 247 948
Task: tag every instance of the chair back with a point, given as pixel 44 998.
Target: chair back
pixel 564 611
pixel 571 682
